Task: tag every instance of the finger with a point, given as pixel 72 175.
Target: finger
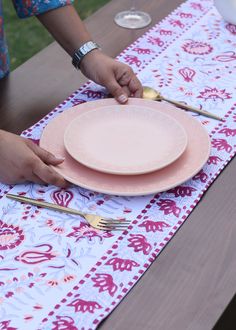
pixel 135 87
pixel 46 156
pixel 49 175
pixel 125 77
pixel 117 91
pixel 130 80
pixel 126 90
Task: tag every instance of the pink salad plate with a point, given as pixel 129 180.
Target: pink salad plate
pixel 120 139
pixel 185 167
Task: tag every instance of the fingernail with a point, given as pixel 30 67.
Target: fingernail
pixel 59 158
pixel 122 98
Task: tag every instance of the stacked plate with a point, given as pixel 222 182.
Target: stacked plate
pixel 140 148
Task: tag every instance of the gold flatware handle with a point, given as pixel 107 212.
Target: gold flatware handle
pixel 94 220
pixel 152 94
pixel 193 109
pixel 46 205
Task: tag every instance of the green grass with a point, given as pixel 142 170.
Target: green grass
pixel 26 37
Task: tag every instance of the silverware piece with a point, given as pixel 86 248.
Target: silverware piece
pixel 96 221
pixel 151 94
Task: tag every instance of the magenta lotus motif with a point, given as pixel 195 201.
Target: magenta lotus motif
pixel 168 206
pixel 166 32
pixel 64 323
pixel 42 254
pixel 133 60
pixel 187 74
pixel 176 23
pixel 84 306
pixel 143 50
pixel 154 226
pixel 105 283
pixel 182 191
pixel 228 131
pixel 202 176
pixel 62 197
pixel 122 264
pixel 197 47
pixel 156 41
pixel 5 325
pixel 214 160
pixel 84 231
pixel 214 94
pixel 185 15
pixel 196 6
pixel 93 94
pixel 10 236
pixel 221 144
pixel 77 102
pixel 139 243
pixel 231 28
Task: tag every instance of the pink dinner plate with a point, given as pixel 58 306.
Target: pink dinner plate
pixel 185 167
pixel 120 139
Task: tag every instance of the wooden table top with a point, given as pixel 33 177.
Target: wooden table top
pixel 193 279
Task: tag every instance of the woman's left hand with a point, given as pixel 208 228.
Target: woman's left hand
pixel 117 77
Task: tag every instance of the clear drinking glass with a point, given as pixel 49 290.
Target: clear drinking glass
pixel 132 18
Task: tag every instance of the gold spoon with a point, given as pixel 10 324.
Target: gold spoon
pixel 152 94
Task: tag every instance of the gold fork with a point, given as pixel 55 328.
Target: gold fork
pixel 94 220
pixel 152 94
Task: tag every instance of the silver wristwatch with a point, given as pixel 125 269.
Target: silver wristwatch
pixel 82 51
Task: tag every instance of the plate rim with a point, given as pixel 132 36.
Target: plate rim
pixel 125 172
pixel 123 192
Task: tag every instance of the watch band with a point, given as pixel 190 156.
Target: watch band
pixel 79 54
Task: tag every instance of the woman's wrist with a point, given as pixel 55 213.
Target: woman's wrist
pixel 83 51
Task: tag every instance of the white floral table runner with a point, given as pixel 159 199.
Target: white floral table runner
pixel 58 273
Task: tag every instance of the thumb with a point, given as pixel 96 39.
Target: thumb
pixel 47 157
pixel 116 90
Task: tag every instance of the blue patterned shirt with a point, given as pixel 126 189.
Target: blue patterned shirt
pixel 24 8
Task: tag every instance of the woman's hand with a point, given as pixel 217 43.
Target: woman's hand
pixel 22 160
pixel 70 32
pixel 117 77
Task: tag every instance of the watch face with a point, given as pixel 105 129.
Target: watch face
pixel 82 51
pixel 86 48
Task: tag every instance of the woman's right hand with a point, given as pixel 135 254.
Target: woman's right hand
pixel 22 160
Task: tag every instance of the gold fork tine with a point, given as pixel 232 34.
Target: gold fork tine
pixel 113 229
pixel 111 221
pixel 113 226
pixel 108 228
pixel 94 220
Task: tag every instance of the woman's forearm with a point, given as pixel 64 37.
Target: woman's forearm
pixel 70 32
pixel 66 27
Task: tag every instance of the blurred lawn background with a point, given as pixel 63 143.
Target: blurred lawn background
pixel 26 37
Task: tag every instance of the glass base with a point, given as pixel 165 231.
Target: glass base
pixel 132 19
